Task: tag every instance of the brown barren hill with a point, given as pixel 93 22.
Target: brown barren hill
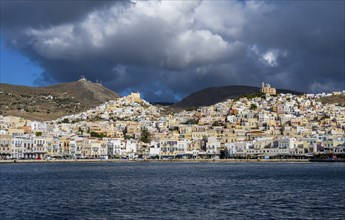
pixel 51 102
pixel 334 99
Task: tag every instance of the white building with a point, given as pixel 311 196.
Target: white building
pixel 212 146
pixel 154 149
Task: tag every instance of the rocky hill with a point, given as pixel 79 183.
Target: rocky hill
pixel 334 99
pixel 51 102
pixel 213 95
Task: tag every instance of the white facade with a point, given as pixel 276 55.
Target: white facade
pixel 212 146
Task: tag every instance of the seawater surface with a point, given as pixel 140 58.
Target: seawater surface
pixel 158 190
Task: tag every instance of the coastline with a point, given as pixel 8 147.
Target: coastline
pixel 164 161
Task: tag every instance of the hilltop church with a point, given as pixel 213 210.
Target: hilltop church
pixel 267 89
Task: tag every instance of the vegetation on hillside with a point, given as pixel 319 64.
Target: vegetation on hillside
pixel 145 135
pixel 251 96
pixel 97 135
pixel 213 95
pixel 334 99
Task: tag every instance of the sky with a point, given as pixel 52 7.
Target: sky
pixel 169 49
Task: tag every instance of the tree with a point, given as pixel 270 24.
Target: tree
pixel 97 135
pixel 253 106
pixel 204 142
pixel 192 108
pixel 145 136
pixel 81 131
pixel 224 153
pixel 217 123
pixel 192 121
pixel 65 120
pixel 174 128
pixel 38 133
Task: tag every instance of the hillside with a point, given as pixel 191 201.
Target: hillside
pixel 213 95
pixel 127 108
pixel 51 102
pixel 334 99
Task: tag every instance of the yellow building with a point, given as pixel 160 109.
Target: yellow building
pixel 5 146
pixel 65 146
pixel 267 89
pixel 16 132
pixel 134 97
pixel 168 148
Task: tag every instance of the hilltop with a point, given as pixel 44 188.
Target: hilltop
pixel 213 95
pixel 127 108
pixel 51 102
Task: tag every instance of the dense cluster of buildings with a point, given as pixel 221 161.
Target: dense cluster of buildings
pixel 269 126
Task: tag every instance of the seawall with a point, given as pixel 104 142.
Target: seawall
pixel 162 160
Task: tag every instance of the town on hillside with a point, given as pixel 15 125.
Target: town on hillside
pixel 264 125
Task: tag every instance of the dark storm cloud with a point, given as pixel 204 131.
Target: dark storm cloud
pixel 168 49
pixel 40 13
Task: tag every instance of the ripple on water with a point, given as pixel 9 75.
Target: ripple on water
pixel 172 191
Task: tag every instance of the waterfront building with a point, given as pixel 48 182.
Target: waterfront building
pixel 279 125
pixel 154 149
pixel 212 147
pixel 168 148
pixel 5 146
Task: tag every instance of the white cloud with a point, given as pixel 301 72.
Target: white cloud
pixel 270 58
pixel 131 31
pixel 226 18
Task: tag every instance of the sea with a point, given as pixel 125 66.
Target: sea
pixel 172 190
